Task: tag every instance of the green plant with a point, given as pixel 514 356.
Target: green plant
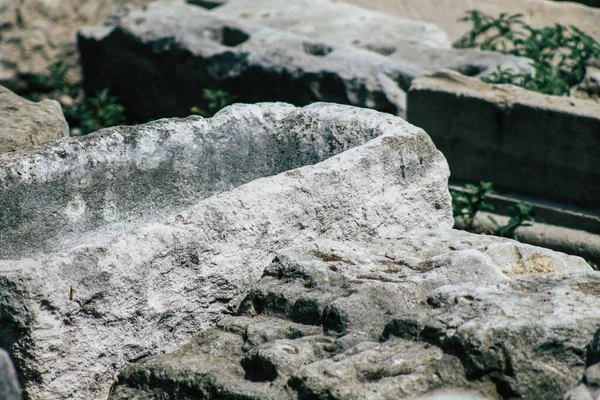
pixel 57 78
pixel 523 214
pixel 466 206
pixel 93 113
pixel 559 53
pixel 59 75
pixel 215 100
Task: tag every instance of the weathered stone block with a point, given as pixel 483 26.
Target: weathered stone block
pixel 73 191
pixel 73 319
pixel 415 43
pixel 522 141
pixel 24 123
pixel 171 52
pixel 397 331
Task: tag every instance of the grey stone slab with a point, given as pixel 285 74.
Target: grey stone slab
pixel 171 52
pixel 80 189
pixel 419 44
pixel 524 142
pixel 75 318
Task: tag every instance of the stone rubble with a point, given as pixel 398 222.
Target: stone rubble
pixel 399 317
pixel 25 123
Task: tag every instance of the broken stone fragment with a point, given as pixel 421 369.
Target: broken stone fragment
pixel 25 123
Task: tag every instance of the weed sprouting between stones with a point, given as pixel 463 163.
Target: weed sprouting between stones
pixel 83 113
pixel 87 114
pixel 465 206
pixel 559 53
pixel 215 101
pixel 93 113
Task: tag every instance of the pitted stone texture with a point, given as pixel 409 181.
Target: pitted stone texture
pixel 74 319
pixel 395 369
pixel 214 366
pixel 352 291
pixel 76 190
pixel 251 61
pixel 24 123
pixel 529 335
pixel 421 45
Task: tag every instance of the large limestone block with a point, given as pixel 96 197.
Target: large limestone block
pixel 38 33
pixel 445 13
pixel 116 179
pixel 73 319
pixel 338 23
pixel 421 45
pixel 170 52
pixel 351 320
pixel 522 141
pixel 25 123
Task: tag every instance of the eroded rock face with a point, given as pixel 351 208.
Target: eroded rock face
pixel 24 123
pixel 172 52
pixel 422 45
pixel 364 290
pixel 399 317
pixel 72 320
pixel 119 178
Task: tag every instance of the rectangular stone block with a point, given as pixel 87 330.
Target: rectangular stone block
pixel 522 141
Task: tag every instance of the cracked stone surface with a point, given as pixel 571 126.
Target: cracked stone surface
pixel 422 45
pixel 256 60
pixel 73 318
pixel 438 313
